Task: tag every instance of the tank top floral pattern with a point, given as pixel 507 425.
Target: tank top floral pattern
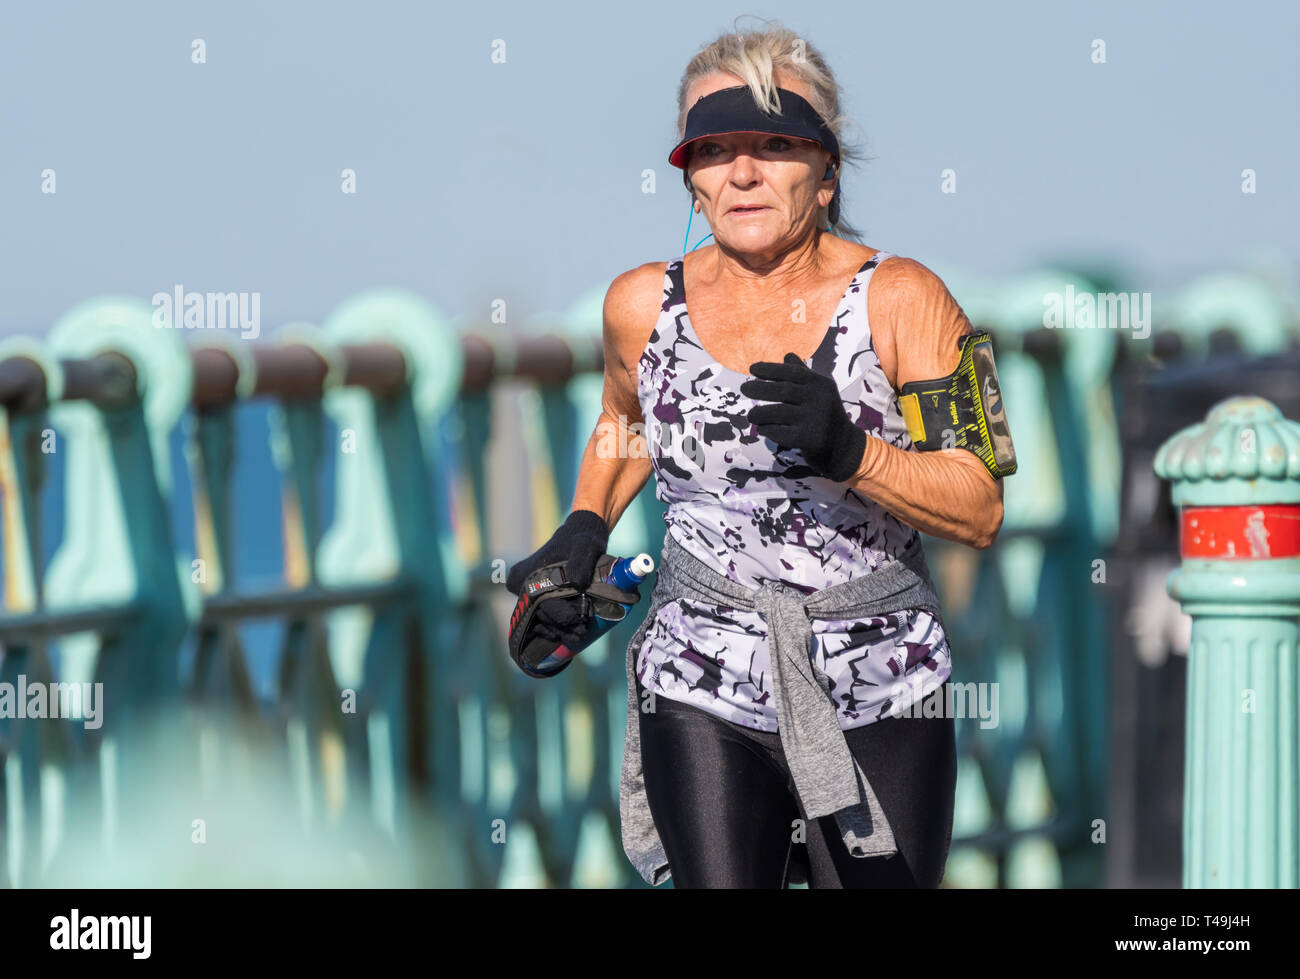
pixel 755 513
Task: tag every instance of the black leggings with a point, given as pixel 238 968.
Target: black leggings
pixel 724 804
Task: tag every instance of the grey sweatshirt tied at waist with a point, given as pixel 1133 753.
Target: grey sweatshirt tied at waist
pixel 826 775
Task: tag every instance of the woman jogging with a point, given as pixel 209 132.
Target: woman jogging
pixel 821 402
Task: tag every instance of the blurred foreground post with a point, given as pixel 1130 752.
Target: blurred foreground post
pixel 1236 479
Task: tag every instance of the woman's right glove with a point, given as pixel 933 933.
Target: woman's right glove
pixel 581 541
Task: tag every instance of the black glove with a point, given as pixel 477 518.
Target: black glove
pixel 581 540
pixel 808 416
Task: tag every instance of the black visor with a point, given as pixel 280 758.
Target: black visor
pixel 733 110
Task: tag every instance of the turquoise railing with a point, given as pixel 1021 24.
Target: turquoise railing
pixel 395 742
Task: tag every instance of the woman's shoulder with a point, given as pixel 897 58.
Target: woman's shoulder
pixel 632 306
pixel 903 278
pixel 635 294
pixel 858 254
pixel 902 289
pixel 913 314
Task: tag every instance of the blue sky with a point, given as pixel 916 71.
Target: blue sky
pixel 522 181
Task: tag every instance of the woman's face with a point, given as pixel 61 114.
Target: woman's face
pixel 759 192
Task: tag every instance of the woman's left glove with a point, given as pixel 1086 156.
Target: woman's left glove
pixel 808 415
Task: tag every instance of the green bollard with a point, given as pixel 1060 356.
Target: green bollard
pixel 1236 481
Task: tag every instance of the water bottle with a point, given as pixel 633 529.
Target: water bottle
pixel 626 573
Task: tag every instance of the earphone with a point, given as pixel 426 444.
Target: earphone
pixel 686 241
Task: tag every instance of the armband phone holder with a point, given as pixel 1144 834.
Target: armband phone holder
pixel 963 410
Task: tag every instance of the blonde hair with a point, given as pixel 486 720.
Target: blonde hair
pixel 755 57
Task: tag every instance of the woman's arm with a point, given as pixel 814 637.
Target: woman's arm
pixel 616 463
pixel 915 326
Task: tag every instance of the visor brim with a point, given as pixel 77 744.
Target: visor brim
pixel 678 157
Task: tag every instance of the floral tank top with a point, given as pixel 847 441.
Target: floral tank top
pixel 731 504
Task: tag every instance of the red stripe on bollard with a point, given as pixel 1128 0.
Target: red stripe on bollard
pixel 1240 532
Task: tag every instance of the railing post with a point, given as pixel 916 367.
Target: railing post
pixel 1236 480
pixel 24 437
pixel 118 385
pixel 387 526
